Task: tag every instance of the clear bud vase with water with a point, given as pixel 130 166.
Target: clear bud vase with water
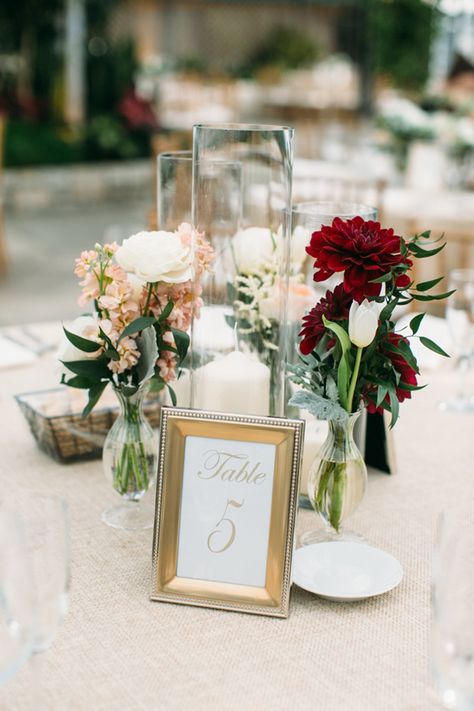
pixel 130 458
pixel 337 481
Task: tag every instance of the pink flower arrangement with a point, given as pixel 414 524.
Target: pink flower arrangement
pixel 145 294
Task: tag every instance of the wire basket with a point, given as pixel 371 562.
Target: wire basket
pixel 54 418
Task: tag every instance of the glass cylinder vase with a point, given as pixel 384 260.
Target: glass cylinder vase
pixel 130 458
pixel 243 207
pixel 337 481
pixel 174 189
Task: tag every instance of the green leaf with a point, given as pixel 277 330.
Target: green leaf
pixel 394 407
pixel 340 332
pixel 320 407
pixel 166 311
pixel 181 338
pixel 382 279
pixel 138 325
pixel 432 297
pixel 428 343
pixel 382 391
pixel 78 381
pixel 415 322
pixel 83 344
pixel 421 253
pixel 146 344
pixel 172 393
pixel 96 370
pixel 427 285
pixel 388 310
pixel 94 395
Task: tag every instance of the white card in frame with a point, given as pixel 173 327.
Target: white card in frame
pixel 225 513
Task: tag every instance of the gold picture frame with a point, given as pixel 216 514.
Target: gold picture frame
pixel 243 566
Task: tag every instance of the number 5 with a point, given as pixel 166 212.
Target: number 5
pixel 219 529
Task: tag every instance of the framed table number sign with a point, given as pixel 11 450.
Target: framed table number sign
pixel 225 510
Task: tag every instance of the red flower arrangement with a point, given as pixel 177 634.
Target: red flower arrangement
pixel 351 355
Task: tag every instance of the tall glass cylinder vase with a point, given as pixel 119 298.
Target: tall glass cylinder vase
pixel 241 200
pixel 173 208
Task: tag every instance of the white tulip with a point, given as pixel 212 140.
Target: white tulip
pixel 363 322
pixel 157 256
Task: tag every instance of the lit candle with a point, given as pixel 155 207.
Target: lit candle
pixel 236 383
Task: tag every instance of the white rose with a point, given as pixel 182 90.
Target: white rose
pixel 300 298
pixel 157 256
pixel 363 322
pixel 254 249
pixel 85 326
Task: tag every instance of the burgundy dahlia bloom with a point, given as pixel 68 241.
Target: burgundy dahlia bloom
pixel 363 250
pixel 334 306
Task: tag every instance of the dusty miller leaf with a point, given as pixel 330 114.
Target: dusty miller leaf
pixel 320 407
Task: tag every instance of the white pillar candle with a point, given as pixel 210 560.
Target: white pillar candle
pixel 212 332
pixel 236 383
pixel 315 434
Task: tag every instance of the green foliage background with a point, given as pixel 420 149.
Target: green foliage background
pixel 400 33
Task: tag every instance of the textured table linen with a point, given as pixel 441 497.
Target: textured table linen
pixel 116 650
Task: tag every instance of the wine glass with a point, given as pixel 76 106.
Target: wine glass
pixel 460 318
pixel 17 609
pixel 44 519
pixel 452 633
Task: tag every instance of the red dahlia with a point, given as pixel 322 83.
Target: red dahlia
pixel 334 306
pixel 362 250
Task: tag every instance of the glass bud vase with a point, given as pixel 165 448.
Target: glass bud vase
pixel 130 457
pixel 337 482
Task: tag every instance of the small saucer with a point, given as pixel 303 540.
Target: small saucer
pixel 345 571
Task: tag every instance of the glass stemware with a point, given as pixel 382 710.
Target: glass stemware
pixel 17 609
pixel 44 519
pixel 460 318
pixel 452 636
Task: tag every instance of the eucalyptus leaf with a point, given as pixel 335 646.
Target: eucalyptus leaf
pixel 320 407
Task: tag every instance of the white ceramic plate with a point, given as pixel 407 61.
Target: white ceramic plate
pixel 345 571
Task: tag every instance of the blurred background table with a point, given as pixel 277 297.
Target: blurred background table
pixel 117 650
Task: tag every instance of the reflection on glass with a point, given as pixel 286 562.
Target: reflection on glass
pixel 460 317
pixel 452 638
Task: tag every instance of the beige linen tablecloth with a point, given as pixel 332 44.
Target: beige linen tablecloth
pixel 116 650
